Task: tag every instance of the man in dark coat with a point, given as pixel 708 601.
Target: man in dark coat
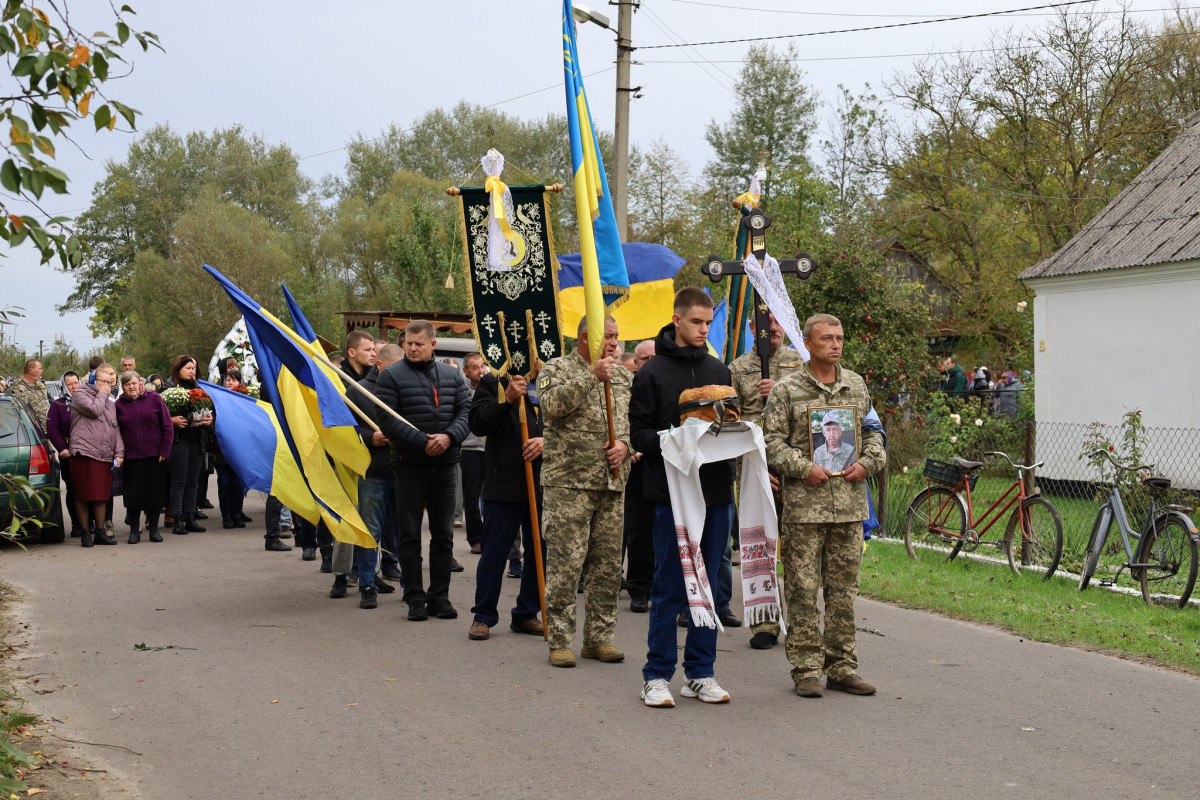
pixel 434 399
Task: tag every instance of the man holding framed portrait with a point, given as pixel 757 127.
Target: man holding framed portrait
pixel 818 441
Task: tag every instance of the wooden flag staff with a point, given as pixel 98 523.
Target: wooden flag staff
pixel 533 515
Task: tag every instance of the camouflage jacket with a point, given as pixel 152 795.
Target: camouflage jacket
pixel 747 372
pixel 576 430
pixel 787 430
pixel 33 395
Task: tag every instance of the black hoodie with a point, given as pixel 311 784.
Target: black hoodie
pixel 653 407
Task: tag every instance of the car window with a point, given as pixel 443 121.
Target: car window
pixel 12 431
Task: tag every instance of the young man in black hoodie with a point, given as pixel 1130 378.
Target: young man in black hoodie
pixel 681 361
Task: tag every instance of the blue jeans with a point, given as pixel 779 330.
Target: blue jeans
pixel 501 521
pixel 668 597
pixel 377 505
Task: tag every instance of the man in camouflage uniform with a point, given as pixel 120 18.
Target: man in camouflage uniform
pixel 752 390
pixel 821 531
pixel 583 502
pixel 30 390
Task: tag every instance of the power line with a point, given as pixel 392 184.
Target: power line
pixel 870 27
pixel 654 20
pixel 884 16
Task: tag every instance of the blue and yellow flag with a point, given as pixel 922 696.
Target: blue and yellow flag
pixel 254 445
pixel 651 269
pixel 605 281
pixel 303 398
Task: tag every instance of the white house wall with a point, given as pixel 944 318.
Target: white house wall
pixel 1109 342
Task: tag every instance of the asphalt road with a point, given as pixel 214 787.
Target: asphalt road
pixel 285 693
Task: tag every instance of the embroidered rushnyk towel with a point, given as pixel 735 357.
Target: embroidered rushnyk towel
pixel 685 449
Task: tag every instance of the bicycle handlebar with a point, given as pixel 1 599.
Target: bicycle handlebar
pixel 1022 467
pixel 1095 454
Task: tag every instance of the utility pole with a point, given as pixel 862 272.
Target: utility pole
pixel 41 348
pixel 621 126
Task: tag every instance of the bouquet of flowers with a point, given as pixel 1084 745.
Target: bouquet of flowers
pixel 200 404
pixel 177 401
pixel 250 391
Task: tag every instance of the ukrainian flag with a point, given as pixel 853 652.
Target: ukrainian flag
pixel 288 376
pixel 342 443
pixel 605 281
pixel 254 445
pixel 651 269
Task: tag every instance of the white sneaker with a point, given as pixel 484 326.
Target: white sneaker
pixel 657 694
pixel 706 689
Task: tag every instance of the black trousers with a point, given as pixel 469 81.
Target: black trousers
pixel 425 488
pixel 638 540
pixel 471 463
pixel 185 461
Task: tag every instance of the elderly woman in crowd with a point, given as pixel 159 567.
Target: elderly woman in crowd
pixel 147 432
pixel 230 494
pixel 58 430
pixel 95 449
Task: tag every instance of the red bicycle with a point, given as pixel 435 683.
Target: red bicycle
pixel 941 520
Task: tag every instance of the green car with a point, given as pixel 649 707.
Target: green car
pixel 26 453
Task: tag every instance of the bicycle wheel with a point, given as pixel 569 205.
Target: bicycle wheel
pixel 934 507
pixel 1091 555
pixel 1039 547
pixel 1169 553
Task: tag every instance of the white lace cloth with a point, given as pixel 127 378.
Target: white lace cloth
pixel 500 250
pixel 767 280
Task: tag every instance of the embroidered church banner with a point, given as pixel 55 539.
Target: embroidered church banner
pixel 514 307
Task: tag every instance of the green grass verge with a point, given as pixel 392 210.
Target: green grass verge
pixel 1048 611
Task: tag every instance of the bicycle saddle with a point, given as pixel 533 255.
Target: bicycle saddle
pixel 1153 482
pixel 969 466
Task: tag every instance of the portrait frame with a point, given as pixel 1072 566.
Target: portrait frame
pixel 848 426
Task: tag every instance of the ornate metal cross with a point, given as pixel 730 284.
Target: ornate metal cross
pixel 803 265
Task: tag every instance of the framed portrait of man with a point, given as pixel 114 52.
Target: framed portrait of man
pixel 834 431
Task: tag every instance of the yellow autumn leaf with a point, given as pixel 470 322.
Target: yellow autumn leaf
pixel 78 56
pixel 16 137
pixel 84 103
pixel 44 145
pixel 18 224
pixel 32 792
pixel 112 122
pixel 42 15
pixel 34 36
pixel 65 92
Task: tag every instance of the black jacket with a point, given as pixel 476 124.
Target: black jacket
pixel 432 396
pixel 504 468
pixel 653 408
pixel 380 466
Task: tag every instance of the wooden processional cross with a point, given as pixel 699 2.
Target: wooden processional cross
pixel 757 223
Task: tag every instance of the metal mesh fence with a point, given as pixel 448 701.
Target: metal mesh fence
pixel 1076 485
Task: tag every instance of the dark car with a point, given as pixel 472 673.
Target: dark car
pixel 26 452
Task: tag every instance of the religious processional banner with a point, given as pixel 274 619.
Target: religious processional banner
pixel 514 307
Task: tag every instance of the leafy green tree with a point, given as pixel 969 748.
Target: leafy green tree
pixel 60 76
pixel 137 205
pixel 774 112
pixel 427 252
pixel 178 308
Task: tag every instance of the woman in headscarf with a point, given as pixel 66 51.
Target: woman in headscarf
pixel 187 453
pixel 58 429
pixel 96 450
pixel 147 432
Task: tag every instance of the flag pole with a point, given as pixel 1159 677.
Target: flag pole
pixel 533 516
pixel 370 396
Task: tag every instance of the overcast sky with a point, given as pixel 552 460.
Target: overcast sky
pixel 312 74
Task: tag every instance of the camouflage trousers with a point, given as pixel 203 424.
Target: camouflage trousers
pixel 582 530
pixel 814 553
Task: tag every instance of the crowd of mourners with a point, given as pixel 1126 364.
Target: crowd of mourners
pixel 455 446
